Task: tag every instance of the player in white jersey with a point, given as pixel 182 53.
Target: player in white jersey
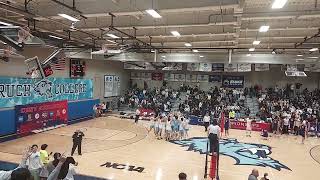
pixel 248 127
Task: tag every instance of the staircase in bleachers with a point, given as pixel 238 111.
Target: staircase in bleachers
pixel 253 105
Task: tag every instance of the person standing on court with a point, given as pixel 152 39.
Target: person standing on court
pixel 137 116
pixel 214 135
pixel 206 121
pixel 34 162
pixel 77 140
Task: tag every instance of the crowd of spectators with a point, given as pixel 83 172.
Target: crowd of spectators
pixel 289 113
pixel 39 165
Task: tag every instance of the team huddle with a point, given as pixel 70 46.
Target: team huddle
pixel 172 126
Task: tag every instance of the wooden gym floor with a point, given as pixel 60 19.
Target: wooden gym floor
pixel 133 149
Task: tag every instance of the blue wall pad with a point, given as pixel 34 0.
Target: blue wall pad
pixel 7 122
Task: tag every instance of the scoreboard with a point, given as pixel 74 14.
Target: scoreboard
pixel 77 68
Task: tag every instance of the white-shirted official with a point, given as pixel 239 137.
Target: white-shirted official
pixel 214 135
pixel 206 121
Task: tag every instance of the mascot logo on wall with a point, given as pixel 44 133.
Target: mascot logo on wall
pixel 243 153
pixel 43 88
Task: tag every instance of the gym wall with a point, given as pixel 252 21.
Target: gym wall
pixel 269 78
pixel 95 70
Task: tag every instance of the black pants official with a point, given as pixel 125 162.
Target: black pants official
pixel 214 142
pixel 75 146
pixel 136 119
pixel 206 125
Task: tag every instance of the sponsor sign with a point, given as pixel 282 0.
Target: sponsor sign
pixel 255 126
pixel 32 118
pixel 233 81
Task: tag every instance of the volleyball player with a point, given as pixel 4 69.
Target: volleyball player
pixel 248 127
pixel 226 126
pixel 181 129
pixel 303 131
pixel 152 123
pixel 168 130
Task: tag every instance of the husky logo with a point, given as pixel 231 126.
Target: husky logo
pixel 43 88
pixel 243 153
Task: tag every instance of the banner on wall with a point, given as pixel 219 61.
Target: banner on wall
pixel 111 85
pixel 157 76
pixel 192 66
pixel 135 75
pixel 20 91
pixel 191 78
pixel 116 86
pixel 168 77
pixel 261 67
pixel 230 67
pixel 214 78
pixel 203 78
pixel 31 118
pixel 244 67
pixel 108 85
pixel 292 67
pixel 217 67
pixel 146 76
pixel 206 67
pixel 180 77
pixel 233 81
pixel 312 67
pixel 170 66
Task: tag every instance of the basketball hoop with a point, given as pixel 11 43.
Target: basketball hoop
pixel 34 69
pixel 104 47
pixel 24 34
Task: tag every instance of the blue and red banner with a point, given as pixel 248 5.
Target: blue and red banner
pixel 32 118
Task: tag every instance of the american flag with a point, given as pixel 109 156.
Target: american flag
pixel 58 64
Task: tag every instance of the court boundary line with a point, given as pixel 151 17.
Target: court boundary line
pixel 311 154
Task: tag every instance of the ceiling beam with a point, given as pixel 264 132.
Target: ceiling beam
pixel 307 39
pixel 161 11
pixel 73 7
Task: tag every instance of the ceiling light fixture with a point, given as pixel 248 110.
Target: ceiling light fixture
pixel 256 42
pixel 153 13
pixel 314 49
pixel 163 56
pixel 55 37
pixel 201 56
pixel 175 33
pixel 69 17
pixel 264 29
pixel 5 24
pixel 111 41
pixel 188 44
pixel 299 55
pixel 313 57
pixel 113 36
pixel 252 49
pixel 248 55
pixel 195 50
pixel 278 4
